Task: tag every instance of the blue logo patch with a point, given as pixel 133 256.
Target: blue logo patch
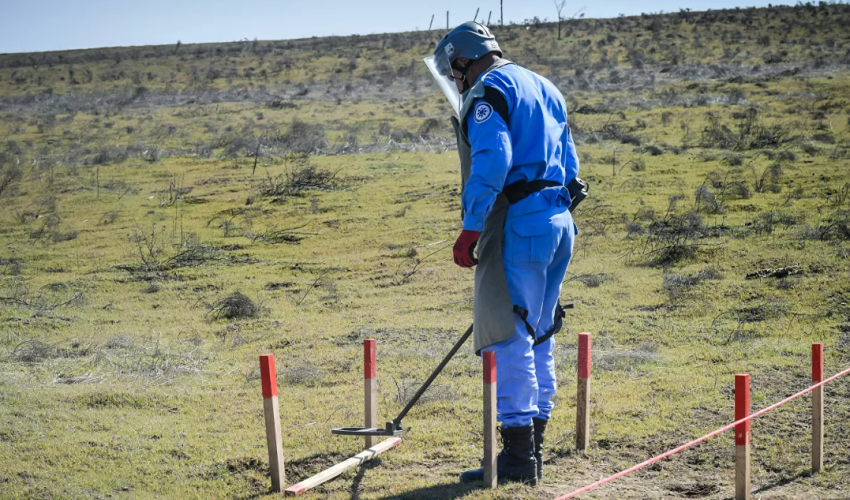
pixel 483 111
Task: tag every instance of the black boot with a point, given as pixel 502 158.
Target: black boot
pixel 539 430
pixel 516 460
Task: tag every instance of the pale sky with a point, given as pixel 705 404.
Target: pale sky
pixel 39 25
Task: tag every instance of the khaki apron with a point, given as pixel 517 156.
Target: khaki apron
pixel 493 309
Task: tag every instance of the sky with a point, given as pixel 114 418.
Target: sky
pixel 40 25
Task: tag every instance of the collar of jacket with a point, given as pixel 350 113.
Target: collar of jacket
pixel 477 90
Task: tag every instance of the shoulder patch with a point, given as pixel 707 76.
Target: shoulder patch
pixel 483 111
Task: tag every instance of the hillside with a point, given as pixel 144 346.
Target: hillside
pixel 143 187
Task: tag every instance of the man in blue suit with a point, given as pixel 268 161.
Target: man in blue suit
pixel 518 159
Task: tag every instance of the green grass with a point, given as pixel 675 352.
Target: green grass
pixel 116 378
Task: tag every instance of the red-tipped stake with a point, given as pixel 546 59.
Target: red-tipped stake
pixel 817 408
pixel 742 438
pixel 583 392
pixel 370 390
pixel 491 478
pixel 272 413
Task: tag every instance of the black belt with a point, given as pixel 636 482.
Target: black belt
pixel 520 190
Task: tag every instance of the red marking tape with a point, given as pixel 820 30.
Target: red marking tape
pixel 697 441
pixel 370 370
pixel 742 409
pixel 489 367
pixel 584 355
pixel 295 490
pixel 267 373
pixel 817 362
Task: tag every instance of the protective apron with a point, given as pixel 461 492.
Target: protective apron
pixel 493 308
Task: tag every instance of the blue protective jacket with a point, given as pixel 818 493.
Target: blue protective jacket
pixel 518 131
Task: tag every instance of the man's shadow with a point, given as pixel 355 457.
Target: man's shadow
pixel 447 491
pixel 783 481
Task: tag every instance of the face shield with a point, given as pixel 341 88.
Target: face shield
pixel 441 70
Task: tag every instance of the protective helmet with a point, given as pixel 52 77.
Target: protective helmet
pixel 470 40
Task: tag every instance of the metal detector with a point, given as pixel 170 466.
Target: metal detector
pixel 394 427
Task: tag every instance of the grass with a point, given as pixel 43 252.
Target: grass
pixel 128 352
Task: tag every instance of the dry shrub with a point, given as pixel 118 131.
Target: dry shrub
pixel 431 127
pixel 299 176
pixel 108 218
pixel 35 351
pixel 593 280
pixel 302 137
pixel 235 305
pixel 677 287
pixel 108 155
pixel 9 174
pixel 707 201
pixel 835 228
pixel 761 312
pixel 637 165
pixel 836 198
pixel 10 266
pixel 824 138
pixel 768 221
pixel 86 378
pixel 673 239
pixel 151 359
pixel 727 186
pixel 16 292
pixel 307 375
pixel 750 133
pixel 769 179
pixel 654 150
pixel 60 236
pixel 50 232
pixel 120 342
pixel 158 254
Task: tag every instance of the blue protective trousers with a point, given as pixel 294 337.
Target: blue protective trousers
pixel 538 244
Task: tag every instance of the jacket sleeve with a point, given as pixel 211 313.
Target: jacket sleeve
pixel 571 161
pixel 491 161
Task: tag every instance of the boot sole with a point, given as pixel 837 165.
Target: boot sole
pixel 504 480
pixel 531 481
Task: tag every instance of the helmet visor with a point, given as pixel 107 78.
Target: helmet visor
pixel 441 70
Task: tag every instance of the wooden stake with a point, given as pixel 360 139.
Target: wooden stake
pixel 491 478
pixel 583 392
pixel 336 470
pixel 370 386
pixel 432 22
pixel 271 410
pixel 742 438
pixel 817 408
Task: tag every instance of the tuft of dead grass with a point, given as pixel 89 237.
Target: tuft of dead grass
pixel 235 305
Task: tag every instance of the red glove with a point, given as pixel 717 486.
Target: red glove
pixel 463 248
